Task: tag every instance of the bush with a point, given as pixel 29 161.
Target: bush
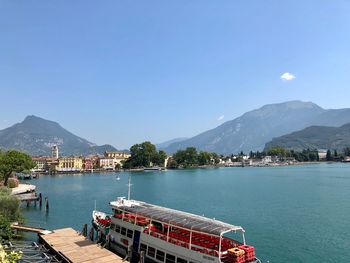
pixel 9 257
pixel 9 205
pixel 12 182
pixel 6 232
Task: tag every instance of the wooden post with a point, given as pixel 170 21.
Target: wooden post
pixel 91 234
pixel 40 200
pixel 84 230
pixel 46 203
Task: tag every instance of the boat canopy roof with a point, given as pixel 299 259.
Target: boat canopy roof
pixel 175 217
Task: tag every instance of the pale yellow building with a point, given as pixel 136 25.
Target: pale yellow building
pixel 107 163
pixel 41 164
pixel 117 156
pixel 70 163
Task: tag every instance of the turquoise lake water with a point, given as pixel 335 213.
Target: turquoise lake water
pixel 290 214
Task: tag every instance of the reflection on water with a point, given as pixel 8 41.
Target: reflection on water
pixel 291 214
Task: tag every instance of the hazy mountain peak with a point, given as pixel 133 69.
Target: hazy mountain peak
pixel 271 110
pixel 253 129
pixel 31 118
pixel 297 104
pixel 36 136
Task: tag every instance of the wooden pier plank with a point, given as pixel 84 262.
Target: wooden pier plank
pixel 77 248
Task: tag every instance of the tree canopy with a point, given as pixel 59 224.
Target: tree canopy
pixel 145 155
pixel 14 161
pixel 191 158
pixel 346 151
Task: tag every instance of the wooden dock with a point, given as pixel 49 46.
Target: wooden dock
pixel 37 230
pixel 75 248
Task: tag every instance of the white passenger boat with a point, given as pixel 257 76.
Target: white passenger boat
pixel 159 234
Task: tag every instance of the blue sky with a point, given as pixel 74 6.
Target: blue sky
pixel 122 72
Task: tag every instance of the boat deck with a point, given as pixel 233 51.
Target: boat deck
pixel 72 247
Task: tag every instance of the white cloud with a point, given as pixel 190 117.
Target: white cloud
pixel 221 117
pixel 287 76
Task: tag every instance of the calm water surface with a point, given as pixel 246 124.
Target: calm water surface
pixel 290 214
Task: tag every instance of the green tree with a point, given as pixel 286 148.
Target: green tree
pixel 204 158
pixel 346 151
pixel 159 158
pixel 215 158
pixel 14 161
pixel 118 166
pixel 173 164
pixel 329 156
pixel 186 158
pixel 162 157
pixel 278 151
pixel 143 155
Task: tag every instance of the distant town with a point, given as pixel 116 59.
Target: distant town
pixel 117 160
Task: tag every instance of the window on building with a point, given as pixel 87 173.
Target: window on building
pixel 123 231
pixel 130 233
pixel 112 226
pixel 170 258
pixel 151 252
pixel 160 255
pixel 180 260
pixel 117 228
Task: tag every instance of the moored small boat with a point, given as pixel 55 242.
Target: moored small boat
pixel 152 169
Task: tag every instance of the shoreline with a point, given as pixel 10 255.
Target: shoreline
pixel 238 165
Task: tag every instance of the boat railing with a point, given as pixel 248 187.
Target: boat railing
pixel 200 242
pixel 184 242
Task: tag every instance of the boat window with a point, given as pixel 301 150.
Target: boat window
pixel 170 258
pixel 123 231
pixel 112 226
pixel 180 260
pixel 117 228
pixel 157 225
pixel 151 252
pixel 143 247
pixel 160 255
pixel 130 233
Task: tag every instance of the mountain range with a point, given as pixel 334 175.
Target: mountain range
pixel 249 132
pixel 167 143
pixel 36 136
pixel 314 137
pixel 254 129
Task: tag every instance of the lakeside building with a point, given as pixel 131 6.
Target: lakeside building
pixel 41 164
pixel 322 154
pixel 117 156
pixel 70 163
pixel 107 163
pixel 88 164
pixel 52 164
pixel 266 159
